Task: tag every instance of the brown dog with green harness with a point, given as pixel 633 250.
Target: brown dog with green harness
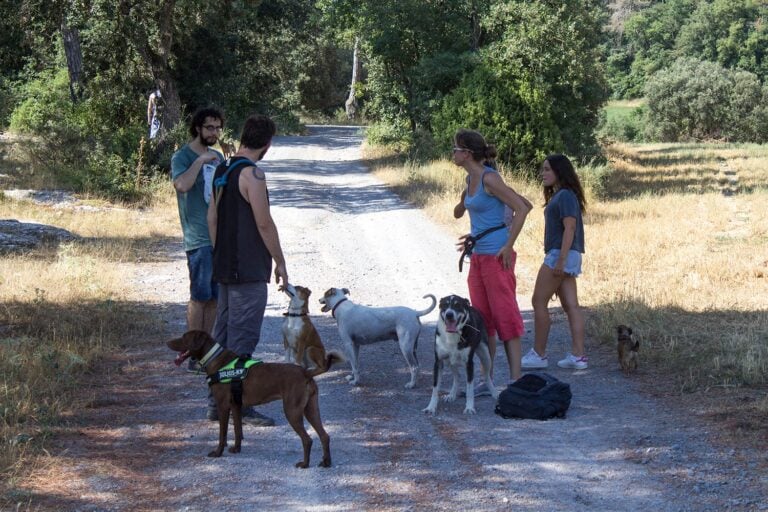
pixel 261 383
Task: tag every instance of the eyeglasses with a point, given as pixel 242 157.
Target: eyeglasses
pixel 459 150
pixel 212 127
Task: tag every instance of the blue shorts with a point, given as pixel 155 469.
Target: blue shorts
pixel 572 262
pixel 202 288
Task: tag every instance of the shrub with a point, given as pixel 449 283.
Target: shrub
pixel 510 114
pixel 700 100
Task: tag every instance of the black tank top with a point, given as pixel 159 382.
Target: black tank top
pixel 239 255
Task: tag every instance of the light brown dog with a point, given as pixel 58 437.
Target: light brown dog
pixel 300 338
pixel 227 148
pixel 628 349
pixel 265 382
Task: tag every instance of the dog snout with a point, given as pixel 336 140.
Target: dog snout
pixel 450 315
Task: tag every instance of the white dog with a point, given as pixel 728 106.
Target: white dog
pixel 361 325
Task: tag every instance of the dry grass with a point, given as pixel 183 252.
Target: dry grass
pixel 677 247
pixel 64 308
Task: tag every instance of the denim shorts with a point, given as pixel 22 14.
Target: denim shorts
pixel 202 288
pixel 572 262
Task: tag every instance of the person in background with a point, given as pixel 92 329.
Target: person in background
pixel 154 109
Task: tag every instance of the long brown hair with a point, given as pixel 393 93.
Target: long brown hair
pixel 567 177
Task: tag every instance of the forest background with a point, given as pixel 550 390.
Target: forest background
pixel 534 77
pixel 662 104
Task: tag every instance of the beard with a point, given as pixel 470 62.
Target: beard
pixel 209 141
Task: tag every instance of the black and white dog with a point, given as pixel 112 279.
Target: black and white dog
pixel 460 334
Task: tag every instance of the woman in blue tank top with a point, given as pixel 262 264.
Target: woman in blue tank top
pixel 491 279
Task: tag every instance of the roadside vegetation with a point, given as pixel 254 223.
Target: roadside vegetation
pixel 66 308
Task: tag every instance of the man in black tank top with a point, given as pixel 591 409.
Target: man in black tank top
pixel 245 243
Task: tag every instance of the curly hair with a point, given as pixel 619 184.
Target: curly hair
pixel 199 118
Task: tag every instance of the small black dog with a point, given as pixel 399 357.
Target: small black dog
pixel 628 349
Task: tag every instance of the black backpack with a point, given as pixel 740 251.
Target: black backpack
pixel 537 396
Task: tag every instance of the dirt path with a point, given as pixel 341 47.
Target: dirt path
pixel 143 446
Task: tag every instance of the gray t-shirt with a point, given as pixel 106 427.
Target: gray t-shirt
pixel 563 204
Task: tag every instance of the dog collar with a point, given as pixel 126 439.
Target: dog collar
pixel 215 350
pixel 294 314
pixel 333 311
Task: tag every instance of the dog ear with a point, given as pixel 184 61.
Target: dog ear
pixel 345 291
pixel 629 330
pixel 195 339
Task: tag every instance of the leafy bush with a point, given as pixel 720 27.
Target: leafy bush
pixel 700 100
pixel 510 114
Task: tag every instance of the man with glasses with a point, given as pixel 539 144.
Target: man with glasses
pixel 192 169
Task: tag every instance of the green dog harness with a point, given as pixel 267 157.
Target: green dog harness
pixel 234 373
pixel 235 370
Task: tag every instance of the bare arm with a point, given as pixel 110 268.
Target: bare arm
pixel 212 218
pixel 186 180
pixel 459 209
pixel 253 187
pixel 569 223
pixel 150 104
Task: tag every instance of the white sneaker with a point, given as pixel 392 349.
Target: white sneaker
pixel 533 360
pixel 573 362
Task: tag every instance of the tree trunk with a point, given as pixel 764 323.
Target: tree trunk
pixel 74 54
pixel 351 103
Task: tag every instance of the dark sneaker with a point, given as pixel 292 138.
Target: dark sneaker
pixel 480 390
pixel 255 418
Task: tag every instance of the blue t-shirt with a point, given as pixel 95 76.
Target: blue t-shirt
pixel 486 211
pixel 193 207
pixel 563 204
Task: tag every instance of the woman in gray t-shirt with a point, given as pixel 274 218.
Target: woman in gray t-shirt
pixel 563 246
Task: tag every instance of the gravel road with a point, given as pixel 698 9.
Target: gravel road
pixel 145 448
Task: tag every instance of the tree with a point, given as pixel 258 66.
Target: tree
pixel 543 74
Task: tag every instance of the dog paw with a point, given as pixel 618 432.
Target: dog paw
pixel 215 453
pixel 429 410
pixel 325 463
pixel 410 385
pixel 450 397
pixel 302 465
pixel 234 449
pixel 470 410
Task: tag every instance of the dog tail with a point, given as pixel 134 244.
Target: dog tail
pixel 332 357
pixel 430 308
